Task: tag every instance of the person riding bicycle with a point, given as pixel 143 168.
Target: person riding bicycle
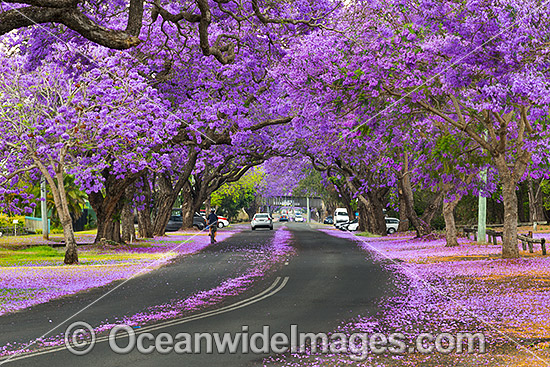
pixel 213 224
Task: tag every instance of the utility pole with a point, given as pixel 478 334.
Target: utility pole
pixel 44 207
pixel 308 211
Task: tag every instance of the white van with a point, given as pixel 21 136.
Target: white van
pixel 341 215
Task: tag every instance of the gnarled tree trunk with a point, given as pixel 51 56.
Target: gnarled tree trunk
pixel 127 216
pixel 145 226
pixel 164 200
pixel 405 191
pixel 403 218
pixel 451 234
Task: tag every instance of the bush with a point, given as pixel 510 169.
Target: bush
pixel 6 221
pixel 38 231
pixel 57 230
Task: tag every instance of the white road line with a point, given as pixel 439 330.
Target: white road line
pixel 270 291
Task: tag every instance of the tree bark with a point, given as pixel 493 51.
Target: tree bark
pixel 403 217
pixel 451 234
pixel 405 190
pixel 165 199
pixel 510 232
pixel 432 208
pixel 187 210
pixel 522 217
pixel 375 221
pixel 127 216
pixel 362 216
pixel 145 226
pixel 536 206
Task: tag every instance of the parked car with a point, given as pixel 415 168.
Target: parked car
pixel 261 220
pixel 283 218
pixel 299 218
pixel 341 215
pixel 339 225
pixel 392 224
pixel 176 221
pixel 345 226
pixel 353 226
pixel 328 220
pixel 222 222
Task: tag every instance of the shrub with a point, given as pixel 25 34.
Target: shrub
pixel 7 221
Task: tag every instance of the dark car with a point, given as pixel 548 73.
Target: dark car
pixel 283 218
pixel 176 221
pixel 328 220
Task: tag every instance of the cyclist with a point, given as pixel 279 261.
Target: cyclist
pixel 213 224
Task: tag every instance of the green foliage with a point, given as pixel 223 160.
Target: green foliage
pixel 233 197
pixel 7 221
pixel 75 198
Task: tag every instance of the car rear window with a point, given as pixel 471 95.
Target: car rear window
pixel 341 213
pixel 261 216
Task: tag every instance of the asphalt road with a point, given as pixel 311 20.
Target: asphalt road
pixel 328 281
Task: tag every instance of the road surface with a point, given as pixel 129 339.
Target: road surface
pixel 329 280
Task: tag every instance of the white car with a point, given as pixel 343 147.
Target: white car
pixel 222 222
pixel 392 224
pixel 299 218
pixel 341 215
pixel 353 226
pixel 261 220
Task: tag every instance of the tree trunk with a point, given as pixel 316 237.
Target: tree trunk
pixel 361 207
pixel 165 199
pixel 509 178
pixel 145 226
pixel 522 217
pixel 127 216
pixel 510 232
pixel 108 207
pixel 62 207
pixel 375 221
pixel 433 207
pixel 405 190
pixel 187 207
pixel 403 217
pixel 450 228
pixel 536 206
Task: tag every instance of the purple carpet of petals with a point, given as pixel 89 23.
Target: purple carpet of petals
pixel 262 262
pixel 25 286
pixel 467 288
